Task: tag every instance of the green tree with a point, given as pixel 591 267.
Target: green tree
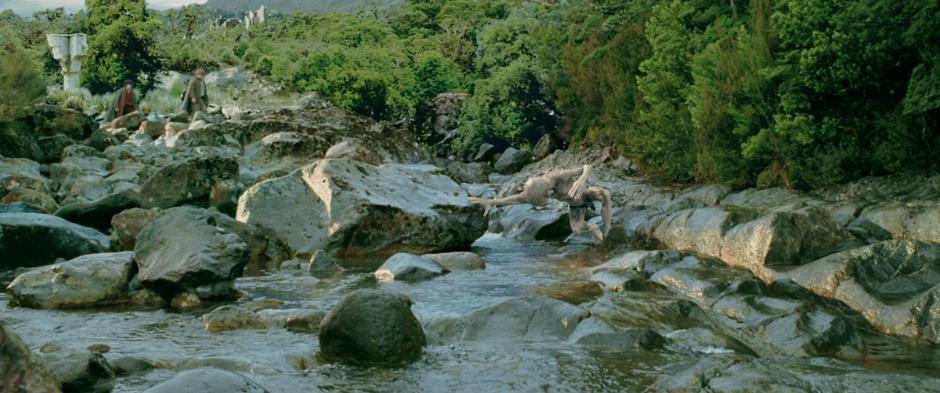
pixel 511 107
pixel 663 140
pixel 121 45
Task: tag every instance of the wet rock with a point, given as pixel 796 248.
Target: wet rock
pixel 351 208
pixel 322 264
pixel 409 267
pixel 208 380
pixel 99 348
pixel 188 248
pixel 98 213
pixel 128 224
pixel 783 238
pixel 185 301
pixel 295 320
pixel 893 284
pixel 647 262
pixel 283 152
pixel 227 318
pixel 20 370
pixel 522 318
pixel 80 371
pixel 525 222
pixel 87 281
pixel 512 160
pixel 458 261
pixel 765 199
pixel 619 280
pixel 596 333
pixel 372 328
pixel 187 182
pixel 30 239
pixel 474 172
pixel 133 365
pixel 130 121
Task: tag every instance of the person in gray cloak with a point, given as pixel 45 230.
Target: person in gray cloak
pixel 196 96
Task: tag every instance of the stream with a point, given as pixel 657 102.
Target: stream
pixel 284 361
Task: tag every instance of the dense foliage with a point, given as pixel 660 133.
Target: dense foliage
pixel 797 93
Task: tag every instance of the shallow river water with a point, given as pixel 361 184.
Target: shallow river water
pixel 284 361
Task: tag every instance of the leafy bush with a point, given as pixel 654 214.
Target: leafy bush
pixel 21 85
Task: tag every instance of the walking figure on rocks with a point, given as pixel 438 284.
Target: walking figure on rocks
pixel 565 185
pixel 196 96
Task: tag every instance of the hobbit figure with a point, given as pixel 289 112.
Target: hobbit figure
pixel 569 186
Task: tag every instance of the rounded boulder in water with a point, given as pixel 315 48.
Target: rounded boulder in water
pixel 372 328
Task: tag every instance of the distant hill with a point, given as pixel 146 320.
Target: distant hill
pixel 287 6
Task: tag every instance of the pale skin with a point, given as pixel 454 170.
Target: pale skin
pixel 569 186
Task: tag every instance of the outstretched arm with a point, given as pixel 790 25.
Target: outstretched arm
pixel 580 186
pixel 497 202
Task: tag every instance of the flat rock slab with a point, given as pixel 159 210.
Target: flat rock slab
pixel 208 380
pixel 525 318
pixel 409 267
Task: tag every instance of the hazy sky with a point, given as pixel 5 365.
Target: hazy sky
pixel 27 7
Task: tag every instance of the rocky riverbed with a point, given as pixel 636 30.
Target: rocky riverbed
pixel 207 258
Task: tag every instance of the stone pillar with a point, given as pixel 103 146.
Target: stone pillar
pixel 262 14
pixel 70 50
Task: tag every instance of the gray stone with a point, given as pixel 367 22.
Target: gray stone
pixel 512 160
pixel 187 248
pixel 458 261
pixel 372 328
pixel 522 318
pixel 228 318
pixel 208 380
pixel 187 182
pixel 409 267
pixel 87 281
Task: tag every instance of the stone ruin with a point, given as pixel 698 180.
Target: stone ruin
pixel 70 50
pixel 255 17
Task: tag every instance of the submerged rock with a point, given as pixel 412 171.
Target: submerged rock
pixel 20 370
pixel 87 281
pixel 228 318
pixel 208 380
pixel 372 328
pixel 409 267
pixel 80 371
pixel 458 261
pixel 30 239
pixel 522 318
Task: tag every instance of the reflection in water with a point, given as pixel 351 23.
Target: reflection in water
pixel 285 361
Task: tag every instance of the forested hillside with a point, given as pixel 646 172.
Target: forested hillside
pixel 286 6
pixel 796 93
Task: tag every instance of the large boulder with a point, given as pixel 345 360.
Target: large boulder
pixel 783 238
pixel 49 120
pixel 353 208
pixel 20 173
pixel 127 224
pixel 30 239
pixel 527 222
pixel 372 328
pixel 188 248
pixel 523 318
pixel 87 281
pixel 80 371
pixel 187 182
pixel 893 284
pixel 409 267
pixel 20 370
pixel 697 230
pixel 208 380
pixel 915 221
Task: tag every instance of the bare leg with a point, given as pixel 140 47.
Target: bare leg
pixel 578 224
